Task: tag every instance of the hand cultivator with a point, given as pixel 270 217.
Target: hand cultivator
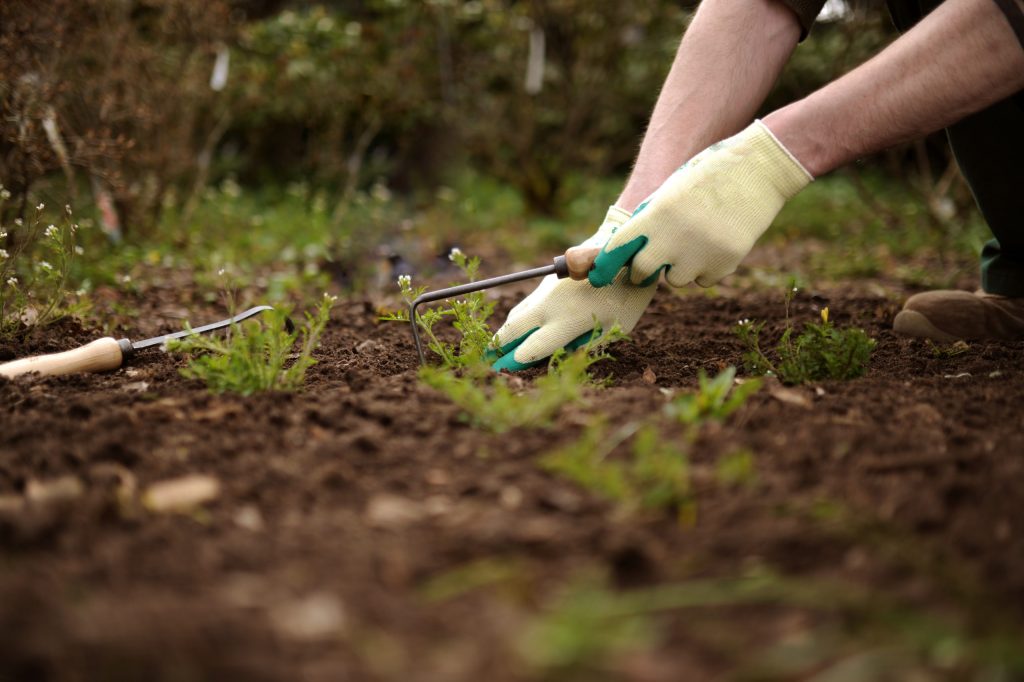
pixel 576 263
pixel 109 353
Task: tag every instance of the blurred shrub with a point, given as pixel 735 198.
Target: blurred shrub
pixel 408 89
pixel 115 92
pixel 353 94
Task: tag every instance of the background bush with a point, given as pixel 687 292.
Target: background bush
pixel 116 96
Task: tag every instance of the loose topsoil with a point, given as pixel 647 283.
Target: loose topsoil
pixel 364 530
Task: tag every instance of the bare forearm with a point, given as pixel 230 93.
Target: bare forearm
pixel 728 60
pixel 958 60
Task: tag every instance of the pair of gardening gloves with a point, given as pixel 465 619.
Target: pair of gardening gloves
pixel 697 226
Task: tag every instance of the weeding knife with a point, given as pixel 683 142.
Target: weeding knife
pixel 109 353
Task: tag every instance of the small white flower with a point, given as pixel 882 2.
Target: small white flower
pixel 12 281
pixel 79 250
pixel 67 208
pixel 44 265
pixel 41 206
pixel 404 281
pixel 795 290
pixel 455 253
pixel 5 194
pixel 19 222
pixel 220 273
pixel 3 234
pixel 4 254
pixel 52 232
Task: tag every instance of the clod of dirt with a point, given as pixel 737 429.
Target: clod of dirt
pixel 316 616
pixel 392 511
pixel 181 494
pixel 11 504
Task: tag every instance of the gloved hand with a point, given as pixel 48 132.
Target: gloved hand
pixel 705 218
pixel 560 313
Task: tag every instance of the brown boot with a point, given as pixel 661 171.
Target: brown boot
pixel 948 316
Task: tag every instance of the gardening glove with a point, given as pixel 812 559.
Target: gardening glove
pixel 561 313
pixel 705 218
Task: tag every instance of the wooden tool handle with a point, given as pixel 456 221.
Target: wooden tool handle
pixel 580 260
pixel 99 356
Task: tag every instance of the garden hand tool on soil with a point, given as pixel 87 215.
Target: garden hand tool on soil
pixel 564 314
pixel 705 218
pixel 573 265
pixel 109 353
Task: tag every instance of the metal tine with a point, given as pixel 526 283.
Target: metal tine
pixel 558 267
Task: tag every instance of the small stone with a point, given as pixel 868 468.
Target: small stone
pixel 511 497
pixel 649 377
pixel 961 375
pixel 136 387
pixel 63 489
pixel 181 494
pixel 437 505
pixel 995 375
pixel 249 518
pixel 315 617
pixel 437 477
pixel 391 511
pixel 367 346
pixel 789 396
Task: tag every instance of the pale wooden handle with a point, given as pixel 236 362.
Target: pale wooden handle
pixel 580 260
pixel 99 356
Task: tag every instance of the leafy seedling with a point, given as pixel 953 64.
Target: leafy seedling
pixel 821 351
pixel 492 401
pixel 655 474
pixel 715 398
pixel 468 316
pixel 254 358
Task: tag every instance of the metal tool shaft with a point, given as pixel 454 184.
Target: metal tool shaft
pixel 558 267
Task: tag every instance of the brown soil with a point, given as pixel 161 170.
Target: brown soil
pixel 341 505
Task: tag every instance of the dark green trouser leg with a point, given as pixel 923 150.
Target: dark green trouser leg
pixel 989 147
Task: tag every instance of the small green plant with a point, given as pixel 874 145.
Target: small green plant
pixel 256 357
pixel 655 475
pixel 715 398
pixel 821 351
pixel 35 263
pixel 944 352
pixel 469 317
pixel 586 628
pixel 492 401
pixel 736 469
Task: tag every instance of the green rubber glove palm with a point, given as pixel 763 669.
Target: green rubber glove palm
pixel 705 218
pixel 560 313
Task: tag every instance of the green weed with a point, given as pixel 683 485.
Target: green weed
pixel 736 469
pixel 494 402
pixel 944 352
pixel 590 628
pixel 256 358
pixel 468 315
pixel 821 351
pixel 35 265
pixel 655 475
pixel 715 398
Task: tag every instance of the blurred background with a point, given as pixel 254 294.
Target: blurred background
pixel 342 143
